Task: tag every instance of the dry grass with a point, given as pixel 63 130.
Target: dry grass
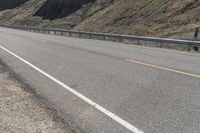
pixel 163 18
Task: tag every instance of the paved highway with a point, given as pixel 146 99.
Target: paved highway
pixel 106 87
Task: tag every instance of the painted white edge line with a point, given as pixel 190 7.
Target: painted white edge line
pixel 84 98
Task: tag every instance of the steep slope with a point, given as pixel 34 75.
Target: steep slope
pixel 146 17
pixel 21 13
pixel 53 9
pixel 9 4
pixel 34 12
pixel 138 17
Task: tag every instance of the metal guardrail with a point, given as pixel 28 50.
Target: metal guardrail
pixel 189 43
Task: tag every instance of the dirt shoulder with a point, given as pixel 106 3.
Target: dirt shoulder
pixel 21 111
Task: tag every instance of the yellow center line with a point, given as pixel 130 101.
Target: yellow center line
pixel 164 68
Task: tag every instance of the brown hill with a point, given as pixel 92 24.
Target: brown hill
pixel 145 17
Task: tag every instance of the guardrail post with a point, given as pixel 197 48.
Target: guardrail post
pixel 189 48
pixel 54 32
pixel 161 44
pixel 120 39
pixel 195 38
pixel 90 36
pixel 196 48
pixel 104 38
pixel 138 42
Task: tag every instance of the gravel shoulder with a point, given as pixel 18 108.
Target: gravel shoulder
pixel 21 111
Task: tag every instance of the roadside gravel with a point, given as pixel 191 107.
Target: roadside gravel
pixel 22 112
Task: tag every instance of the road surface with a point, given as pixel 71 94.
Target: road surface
pixel 106 87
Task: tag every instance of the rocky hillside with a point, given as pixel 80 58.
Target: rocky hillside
pixel 174 18
pixel 147 17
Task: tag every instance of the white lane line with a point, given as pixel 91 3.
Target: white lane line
pixel 84 98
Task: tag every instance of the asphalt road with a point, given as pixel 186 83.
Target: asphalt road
pixel 114 87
